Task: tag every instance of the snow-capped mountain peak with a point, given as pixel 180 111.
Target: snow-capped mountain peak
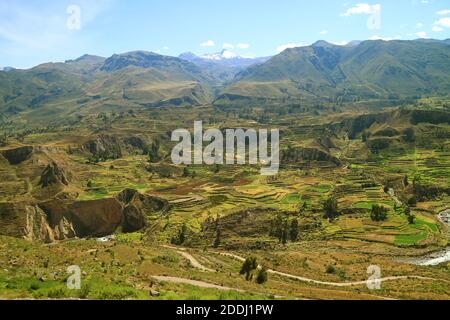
pixel 223 55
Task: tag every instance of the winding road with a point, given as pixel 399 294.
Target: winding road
pixel 199 266
pixel 334 284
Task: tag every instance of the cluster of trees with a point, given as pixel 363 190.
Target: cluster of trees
pixel 248 268
pixel 3 139
pixel 411 218
pixel 331 208
pixel 379 213
pixel 153 152
pixel 285 230
pixel 180 237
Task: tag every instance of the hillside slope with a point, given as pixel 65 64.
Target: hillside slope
pixel 370 70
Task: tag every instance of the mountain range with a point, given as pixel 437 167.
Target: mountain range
pixel 223 65
pixel 360 71
pixel 368 70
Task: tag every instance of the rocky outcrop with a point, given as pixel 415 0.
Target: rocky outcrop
pixel 135 142
pixel 25 221
pixel 294 155
pixel 104 147
pixel 17 155
pixel 136 208
pixel 61 219
pixel 53 174
pixel 97 218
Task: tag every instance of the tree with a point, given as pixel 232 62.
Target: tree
pixel 407 211
pixel 277 227
pixel 405 181
pixel 186 172
pixel 180 238
pixel 248 267
pixel 294 230
pixel 379 213
pixel 410 135
pixel 330 206
pixel 262 277
pixel 412 202
pixel 411 219
pixel 217 239
pixel 3 140
pixel 365 136
pixel 153 153
pixel 284 233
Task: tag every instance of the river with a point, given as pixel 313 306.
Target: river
pixel 438 257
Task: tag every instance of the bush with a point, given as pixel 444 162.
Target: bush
pixel 379 213
pixel 411 219
pixel 330 269
pixel 330 206
pixel 262 277
pixel 247 268
pixel 84 291
pixel 412 202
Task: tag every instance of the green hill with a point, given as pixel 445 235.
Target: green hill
pixel 89 82
pixel 370 70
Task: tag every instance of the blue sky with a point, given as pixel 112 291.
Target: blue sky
pixel 37 31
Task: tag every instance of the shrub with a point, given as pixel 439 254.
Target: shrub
pixel 262 277
pixel 247 268
pixel 379 213
pixel 330 269
pixel 330 206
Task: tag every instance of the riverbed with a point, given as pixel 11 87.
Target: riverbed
pixel 438 257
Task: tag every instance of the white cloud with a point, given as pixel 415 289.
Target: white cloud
pixel 375 37
pixel 362 8
pixel 425 2
pixel 228 46
pixel 421 34
pixel 440 24
pixel 243 45
pixel 443 12
pixel 443 22
pixel 323 32
pixel 209 43
pixel 419 25
pixel 165 48
pixel 289 46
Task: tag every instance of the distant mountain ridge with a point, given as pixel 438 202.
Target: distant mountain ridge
pixel 135 79
pixel 370 70
pixel 358 71
pixel 224 65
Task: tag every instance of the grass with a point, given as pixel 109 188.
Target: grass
pixel 123 269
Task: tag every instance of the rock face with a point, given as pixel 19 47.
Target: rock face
pixel 53 174
pixel 135 142
pixel 61 219
pixel 17 155
pixel 104 147
pixel 98 218
pixel 136 208
pixel 308 154
pixel 26 221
